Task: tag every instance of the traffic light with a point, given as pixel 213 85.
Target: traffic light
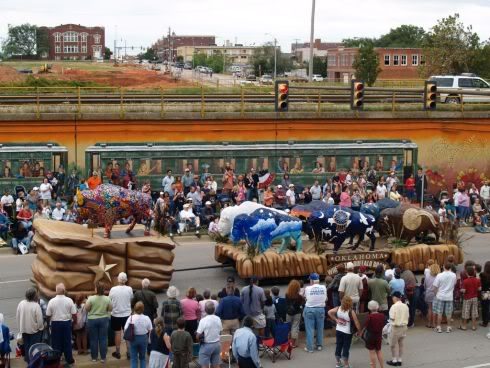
pixel 430 95
pixel 282 95
pixel 356 95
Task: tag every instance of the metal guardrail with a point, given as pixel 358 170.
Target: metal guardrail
pixel 80 101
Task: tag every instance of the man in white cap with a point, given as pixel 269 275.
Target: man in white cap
pixel 187 181
pixel 187 215
pixel 120 296
pixel 314 312
pixel 291 196
pixel 351 285
pixel 207 213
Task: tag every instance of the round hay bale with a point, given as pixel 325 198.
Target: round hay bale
pixel 412 219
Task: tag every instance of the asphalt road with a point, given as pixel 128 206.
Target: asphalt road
pixel 423 347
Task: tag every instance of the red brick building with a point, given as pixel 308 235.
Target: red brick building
pixel 75 42
pixel 395 63
pixel 167 46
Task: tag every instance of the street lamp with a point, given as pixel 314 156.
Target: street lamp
pixel 275 55
pixel 312 34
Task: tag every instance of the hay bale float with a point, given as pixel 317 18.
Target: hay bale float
pixel 78 257
pixel 271 265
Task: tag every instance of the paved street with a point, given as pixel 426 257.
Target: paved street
pixel 423 347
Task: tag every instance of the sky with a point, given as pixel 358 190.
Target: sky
pixel 142 22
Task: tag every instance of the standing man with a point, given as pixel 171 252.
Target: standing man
pixel 187 181
pixel 399 321
pixel 245 346
pixel 61 311
pixel 316 191
pixel 148 298
pixel 485 194
pixel 167 182
pixel 291 196
pixel 210 328
pixel 314 312
pixel 121 296
pixel 421 178
pixel 379 289
pixel 30 321
pixel 251 183
pixel 351 285
pixel 443 303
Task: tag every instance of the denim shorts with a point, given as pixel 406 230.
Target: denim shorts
pixel 209 354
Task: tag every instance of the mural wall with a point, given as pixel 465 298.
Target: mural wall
pixel 448 149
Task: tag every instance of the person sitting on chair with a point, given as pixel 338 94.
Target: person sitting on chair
pixel 21 235
pixel 188 216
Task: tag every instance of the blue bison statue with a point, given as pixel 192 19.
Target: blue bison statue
pixel 263 226
pixel 336 224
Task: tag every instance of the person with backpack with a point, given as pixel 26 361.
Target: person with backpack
pixel 347 324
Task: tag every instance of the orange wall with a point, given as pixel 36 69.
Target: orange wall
pixel 445 147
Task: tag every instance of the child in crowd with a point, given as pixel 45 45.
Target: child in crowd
pixel 213 231
pixel 79 328
pixel 270 316
pixel 181 343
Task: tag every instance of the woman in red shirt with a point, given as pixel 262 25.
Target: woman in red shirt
pixel 410 187
pixel 191 312
pixel 25 216
pixel 372 333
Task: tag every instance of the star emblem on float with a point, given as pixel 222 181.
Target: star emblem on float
pixel 102 269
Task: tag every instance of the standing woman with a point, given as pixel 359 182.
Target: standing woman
pixel 429 277
pixel 373 331
pixel 159 345
pixel 294 308
pixel 141 329
pixel 98 308
pixel 485 294
pixel 191 312
pixel 347 324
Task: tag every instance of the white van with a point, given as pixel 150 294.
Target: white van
pixel 459 84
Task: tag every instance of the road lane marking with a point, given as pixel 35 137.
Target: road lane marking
pixel 478 366
pixel 15 281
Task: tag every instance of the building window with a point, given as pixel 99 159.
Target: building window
pixel 96 38
pixel 396 60
pixel 58 49
pixel 57 37
pixel 70 37
pixel 387 59
pixel 84 48
pixel 70 49
pixel 332 60
pixel 84 37
pixel 415 60
pixel 404 60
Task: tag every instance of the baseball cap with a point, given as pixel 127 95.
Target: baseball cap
pixel 207 202
pixel 187 169
pixel 161 193
pixel 35 188
pixel 314 276
pixel 397 294
pixel 291 185
pixel 349 266
pixel 279 186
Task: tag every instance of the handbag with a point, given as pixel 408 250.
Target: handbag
pixel 129 332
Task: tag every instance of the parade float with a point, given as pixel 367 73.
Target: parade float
pixel 270 243
pixel 97 251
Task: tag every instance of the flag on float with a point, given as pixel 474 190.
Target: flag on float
pixel 265 180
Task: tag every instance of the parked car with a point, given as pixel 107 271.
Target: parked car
pixel 188 66
pixel 266 79
pixel 317 78
pixel 459 84
pixel 299 79
pixel 251 77
pixel 179 65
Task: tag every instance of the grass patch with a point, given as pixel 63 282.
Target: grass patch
pixel 80 65
pixel 34 82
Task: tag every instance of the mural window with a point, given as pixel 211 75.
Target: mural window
pixel 297 166
pixel 319 165
pixel 283 165
pixel 332 164
pixel 156 167
pixel 6 167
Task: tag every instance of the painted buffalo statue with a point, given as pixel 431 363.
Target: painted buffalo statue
pixel 407 221
pixel 336 224
pixel 374 209
pixel 109 203
pixel 227 216
pixel 265 225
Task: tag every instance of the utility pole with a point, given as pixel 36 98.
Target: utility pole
pixel 275 58
pixel 312 35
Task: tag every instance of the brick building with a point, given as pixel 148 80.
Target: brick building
pixel 234 54
pixel 395 63
pixel 166 47
pixel 75 42
pixel 302 50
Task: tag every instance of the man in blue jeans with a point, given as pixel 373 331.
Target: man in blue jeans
pixel 314 312
pixel 61 311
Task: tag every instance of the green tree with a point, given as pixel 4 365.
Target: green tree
pixel 449 47
pixel 107 53
pixel 403 36
pixel 263 60
pixel 200 59
pixel 319 66
pixel 150 54
pixel 358 41
pixel 21 40
pixel 480 62
pixel 42 42
pixel 366 64
pixel 215 62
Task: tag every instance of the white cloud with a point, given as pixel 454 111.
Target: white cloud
pixel 141 22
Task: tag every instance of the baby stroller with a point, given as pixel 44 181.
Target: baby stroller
pixel 43 356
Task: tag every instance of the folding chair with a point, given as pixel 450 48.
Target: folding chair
pixel 279 344
pixel 225 341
